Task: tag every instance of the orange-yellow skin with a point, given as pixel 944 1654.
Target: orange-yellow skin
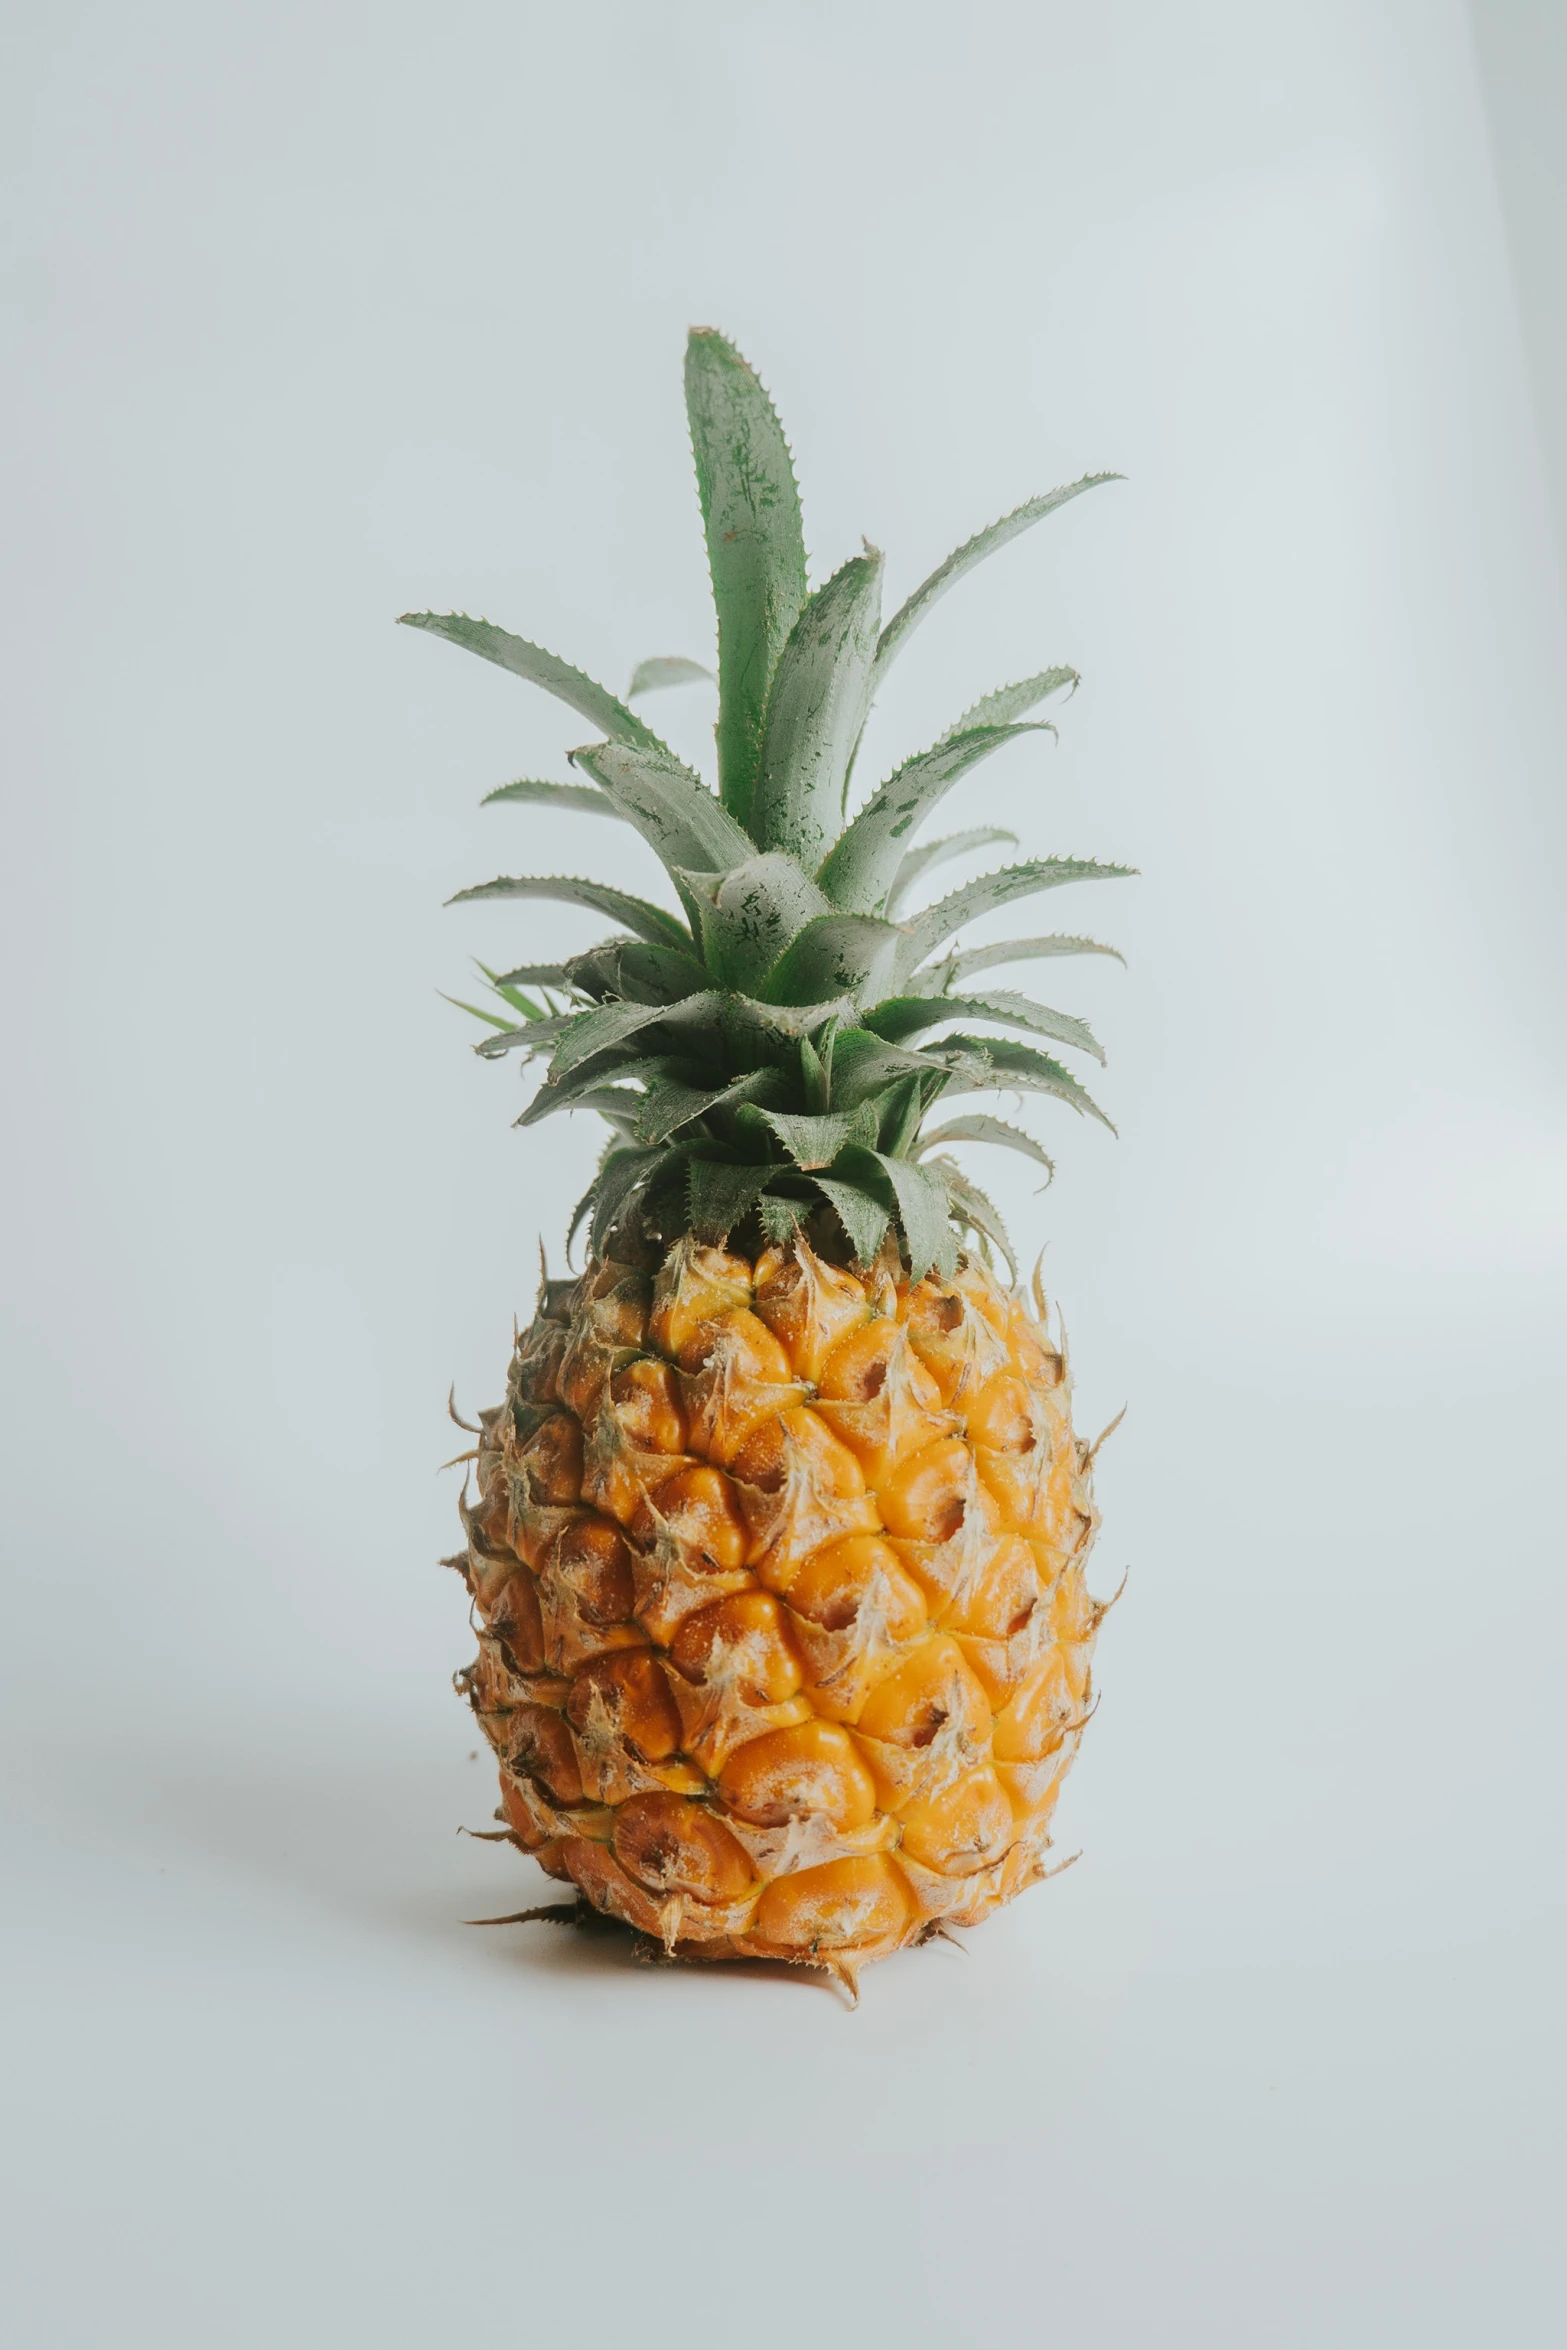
pixel 784 1642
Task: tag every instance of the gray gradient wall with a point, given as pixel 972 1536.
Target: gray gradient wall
pixel 1521 49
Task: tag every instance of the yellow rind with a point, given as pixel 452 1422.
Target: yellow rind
pixel 784 1641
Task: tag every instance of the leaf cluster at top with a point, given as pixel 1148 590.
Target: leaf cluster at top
pixel 774 1047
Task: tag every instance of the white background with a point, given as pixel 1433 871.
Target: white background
pixel 318 313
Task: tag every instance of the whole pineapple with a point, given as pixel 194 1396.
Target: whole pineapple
pixel 778 1549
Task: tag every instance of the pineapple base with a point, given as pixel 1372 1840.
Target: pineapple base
pixel 778 1574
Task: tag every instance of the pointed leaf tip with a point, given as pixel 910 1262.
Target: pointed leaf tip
pixel 755 544
pixel 816 707
pixel 974 550
pixel 539 667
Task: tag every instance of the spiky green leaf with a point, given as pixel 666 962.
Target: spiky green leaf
pixel 673 809
pixel 976 1208
pixel 619 1105
pixel 780 1218
pixel 847 954
pixel 814 1142
pixel 918 1197
pixel 865 862
pixel 750 914
pixel 928 929
pixel 594 702
pixel 490 1021
pixel 609 1025
pixel 1010 701
pixel 963 559
pixel 535 975
pixel 718 1194
pixel 530 1036
pixel 1000 1064
pixel 963 966
pixel 897 1113
pixel 815 710
pixel 979 1126
pixel 583 1086
pixel 623 1175
pixel 753 1031
pixel 580 798
pixel 815 1073
pixel 901 1017
pixel 633 968
pixel 865 1065
pixel 864 1217
pixel 649 922
pixel 670 1104
pixel 755 547
pixel 932 853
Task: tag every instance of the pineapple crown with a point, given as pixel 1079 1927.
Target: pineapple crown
pixel 772 1053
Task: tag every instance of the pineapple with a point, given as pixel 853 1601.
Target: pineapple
pixel 777 1550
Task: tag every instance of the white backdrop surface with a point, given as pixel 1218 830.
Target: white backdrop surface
pixel 316 314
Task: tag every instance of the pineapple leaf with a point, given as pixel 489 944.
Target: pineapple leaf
pixel 632 968
pixel 649 922
pixel 1000 1064
pixel 815 710
pixel 593 702
pixel 580 797
pixel 816 1142
pixel 1010 701
pixel 673 809
pixel 670 1104
pixel 581 1089
pixel 902 1017
pixel 864 865
pixel 619 1105
pixel 923 1213
pixel 585 1035
pixel 530 1038
pixel 665 669
pixel 533 975
pixel 753 1031
pixel 624 1173
pixel 897 1114
pixel 862 1215
pixel 976 1208
pixel 509 993
pixel 935 924
pixel 979 1126
pixel 864 1065
pixel 755 549
pixel 835 952
pixel 942 852
pixel 815 1074
pixel 963 559
pixel 751 913
pixel 608 1025
pixel 718 1195
pixel 1026 950
pixel 489 1019
pixel 920 1200
pixel 780 1218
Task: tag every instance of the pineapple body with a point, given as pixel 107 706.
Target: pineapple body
pixel 778 1570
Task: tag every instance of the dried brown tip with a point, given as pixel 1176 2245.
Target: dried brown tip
pixel 554 1913
pixel 451 1406
pixel 1103 1437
